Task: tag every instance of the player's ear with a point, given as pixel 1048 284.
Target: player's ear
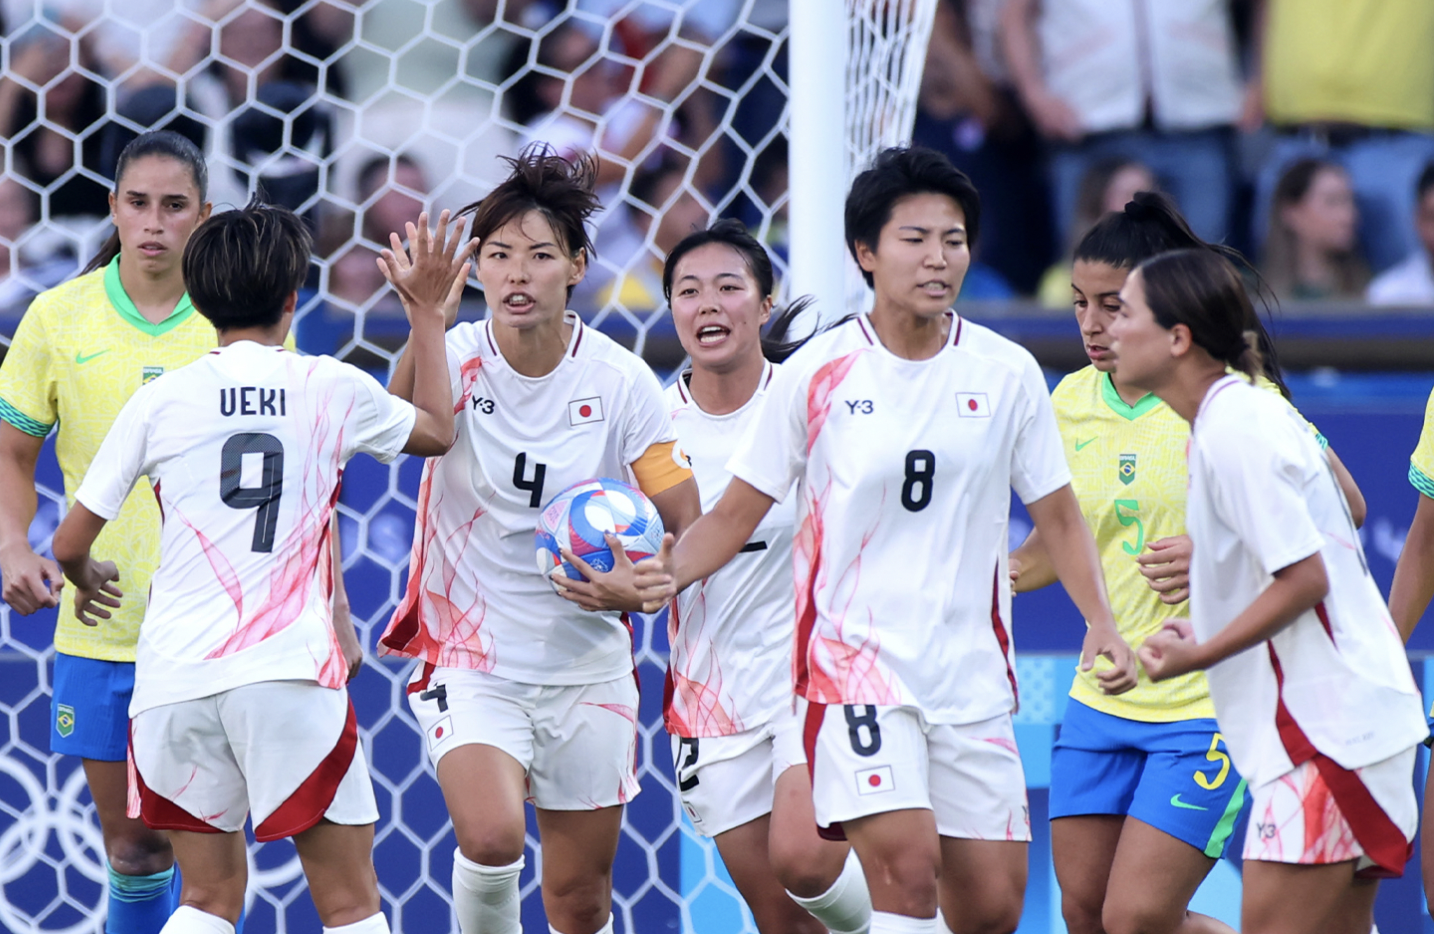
pixel 580 268
pixel 291 303
pixel 205 210
pixel 865 256
pixel 1181 340
pixel 765 312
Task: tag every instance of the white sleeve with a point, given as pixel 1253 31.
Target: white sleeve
pixel 1038 460
pixel 120 461
pixel 649 419
pixel 380 423
pixel 461 343
pixel 773 451
pixel 1257 467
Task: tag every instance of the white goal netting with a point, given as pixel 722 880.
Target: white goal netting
pixel 358 113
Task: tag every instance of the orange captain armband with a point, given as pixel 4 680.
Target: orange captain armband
pixel 661 467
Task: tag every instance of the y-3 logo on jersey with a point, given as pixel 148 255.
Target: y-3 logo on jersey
pixel 860 406
pixel 486 406
pixel 1126 468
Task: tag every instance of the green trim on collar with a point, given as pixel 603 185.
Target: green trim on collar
pixel 1122 408
pixel 122 304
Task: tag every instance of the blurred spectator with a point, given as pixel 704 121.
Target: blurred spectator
pixel 661 210
pixel 1106 188
pixel 420 78
pixel 1310 250
pixel 1158 82
pixel 29 263
pixel 581 99
pixel 387 203
pixel 1353 81
pixel 44 129
pixel 968 110
pixel 1411 282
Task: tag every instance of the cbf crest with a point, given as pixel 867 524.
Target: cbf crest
pixel 150 373
pixel 1126 468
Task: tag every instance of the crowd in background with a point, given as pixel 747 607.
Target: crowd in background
pixel 1299 131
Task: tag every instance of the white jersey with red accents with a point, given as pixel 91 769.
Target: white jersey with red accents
pixel 244 448
pixel 731 634
pixel 475 598
pixel 906 469
pixel 1263 497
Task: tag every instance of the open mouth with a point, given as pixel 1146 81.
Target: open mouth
pixel 518 301
pixel 712 334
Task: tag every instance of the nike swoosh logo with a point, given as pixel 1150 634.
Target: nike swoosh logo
pixel 1081 444
pixel 1175 800
pixel 81 358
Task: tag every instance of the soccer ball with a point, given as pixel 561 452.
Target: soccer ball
pixel 578 517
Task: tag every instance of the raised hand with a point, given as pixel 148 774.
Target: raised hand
pixel 429 276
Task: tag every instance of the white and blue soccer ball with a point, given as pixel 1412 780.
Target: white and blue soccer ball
pixel 580 515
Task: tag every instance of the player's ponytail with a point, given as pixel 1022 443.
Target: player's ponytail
pixel 165 143
pixel 1150 225
pixel 1203 291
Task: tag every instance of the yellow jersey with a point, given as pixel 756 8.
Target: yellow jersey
pixel 79 353
pixel 1421 463
pixel 1128 471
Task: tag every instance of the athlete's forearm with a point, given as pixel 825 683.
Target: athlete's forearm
pixel 1073 555
pixel 715 538
pixel 73 541
pixel 432 392
pixel 401 384
pixel 1032 564
pixel 18 500
pixel 1413 586
pixel 1294 590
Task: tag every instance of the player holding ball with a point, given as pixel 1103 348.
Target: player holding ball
pixel 523 694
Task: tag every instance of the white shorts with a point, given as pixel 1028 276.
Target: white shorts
pixel 869 760
pixel 578 742
pixel 728 781
pixel 287 751
pixel 1320 813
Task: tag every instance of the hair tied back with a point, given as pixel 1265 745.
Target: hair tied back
pixel 1138 210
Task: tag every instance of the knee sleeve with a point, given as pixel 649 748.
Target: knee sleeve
pixel 486 898
pixel 845 908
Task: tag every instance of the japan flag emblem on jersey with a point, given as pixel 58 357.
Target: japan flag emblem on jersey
pixel 582 411
pixel 439 732
pixel 972 405
pixel 874 781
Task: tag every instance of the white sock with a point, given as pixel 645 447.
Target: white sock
pixel 486 898
pixel 373 924
pixel 606 928
pixel 190 920
pixel 884 922
pixel 845 908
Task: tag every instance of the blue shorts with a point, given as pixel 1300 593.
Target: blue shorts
pixel 89 712
pixel 1176 777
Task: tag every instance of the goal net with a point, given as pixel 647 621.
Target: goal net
pixel 358 113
